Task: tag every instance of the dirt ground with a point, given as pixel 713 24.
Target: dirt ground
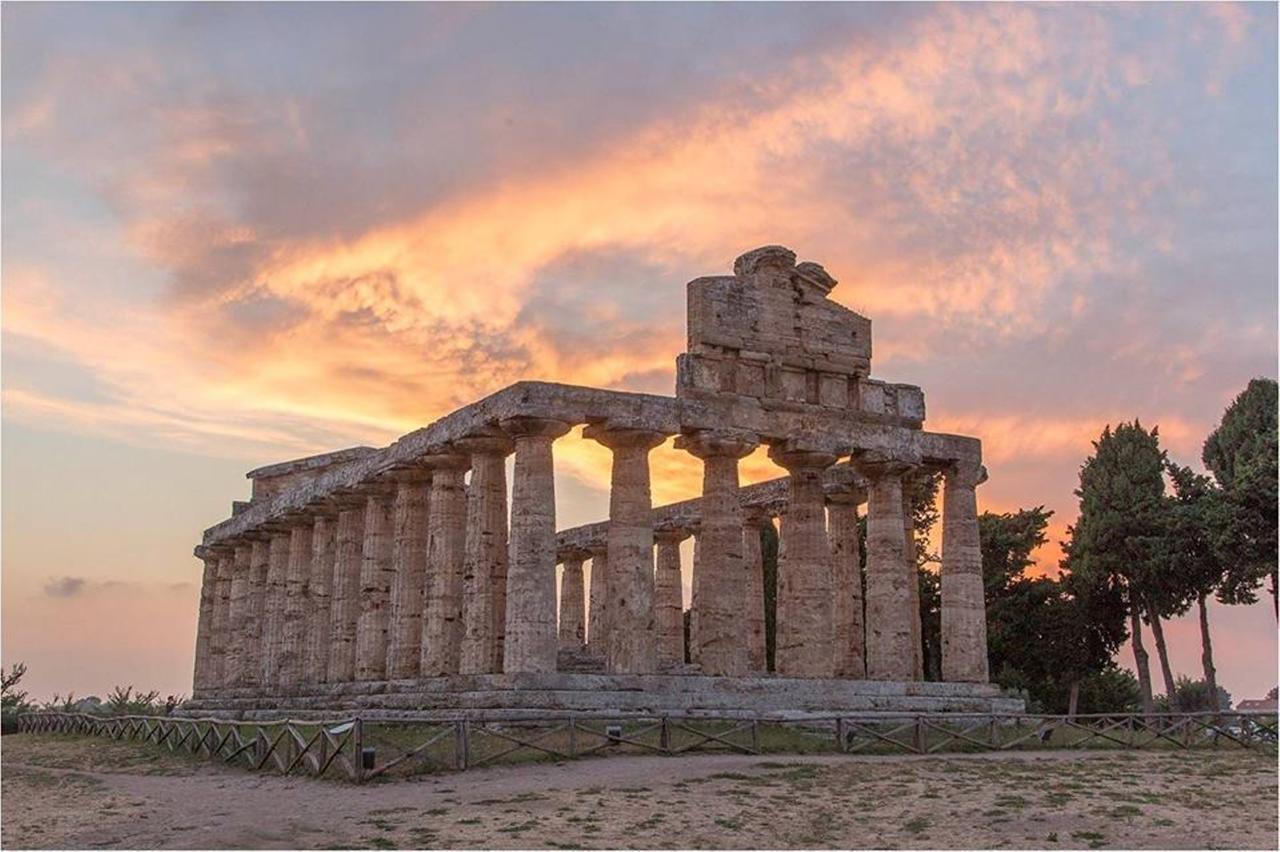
pixel 72 792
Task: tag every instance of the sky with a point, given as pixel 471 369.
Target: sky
pixel 237 233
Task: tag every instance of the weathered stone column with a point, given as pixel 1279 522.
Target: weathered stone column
pixel 238 617
pixel 222 640
pixel 274 606
pixel 409 562
pixel 913 581
pixel 344 600
pixel 572 631
pixel 630 540
pixel 375 584
pixel 888 600
pixel 668 597
pixel 289 662
pixel 805 645
pixel 598 620
pixel 200 676
pixel 695 584
pixel 719 596
pixel 446 554
pixel 255 628
pixel 484 580
pixel 315 651
pixel 842 524
pixel 964 614
pixel 530 640
pixel 754 521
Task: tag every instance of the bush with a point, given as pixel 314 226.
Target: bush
pixel 1192 696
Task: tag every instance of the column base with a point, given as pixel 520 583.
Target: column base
pixel 533 695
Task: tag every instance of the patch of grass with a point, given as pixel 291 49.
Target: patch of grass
pixel 731 824
pixel 915 825
pixel 1051 837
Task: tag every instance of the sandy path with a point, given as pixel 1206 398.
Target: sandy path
pixel 57 794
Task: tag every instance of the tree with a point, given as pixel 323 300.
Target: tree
pixel 1241 453
pixel 1046 636
pixel 1196 518
pixel 13 701
pixel 1116 542
pixel 1007 544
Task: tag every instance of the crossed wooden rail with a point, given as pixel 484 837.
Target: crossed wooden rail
pixel 349 748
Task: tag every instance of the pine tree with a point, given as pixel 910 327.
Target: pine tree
pixel 1241 453
pixel 1116 543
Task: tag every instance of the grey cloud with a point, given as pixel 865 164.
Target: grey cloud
pixel 65 587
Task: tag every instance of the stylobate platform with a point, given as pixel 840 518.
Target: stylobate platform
pixel 507 696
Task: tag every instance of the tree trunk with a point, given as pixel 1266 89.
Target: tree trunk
pixel 1073 702
pixel 1275 589
pixel 1206 653
pixel 1141 662
pixel 1162 651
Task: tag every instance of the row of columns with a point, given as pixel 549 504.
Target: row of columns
pixel 417 575
pixel 824 628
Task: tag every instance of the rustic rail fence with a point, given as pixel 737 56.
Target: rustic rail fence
pixel 351 748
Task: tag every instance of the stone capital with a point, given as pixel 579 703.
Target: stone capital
pixel 535 427
pixel 616 438
pixel 965 474
pixel 798 460
pixel 409 475
pixel 876 464
pixel 489 442
pixel 376 488
pixel 347 499
pixel 708 444
pixel 757 516
pixel 671 534
pixel 847 496
pixel 573 554
pixel 445 460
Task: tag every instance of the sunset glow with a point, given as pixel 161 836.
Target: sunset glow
pixel 237 233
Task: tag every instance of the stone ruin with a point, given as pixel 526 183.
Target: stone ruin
pixel 398 581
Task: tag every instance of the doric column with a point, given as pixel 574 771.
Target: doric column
pixel 913 583
pixel 238 616
pixel 842 525
pixel 409 564
pixel 889 571
pixel 315 652
pixel 695 585
pixel 630 542
pixel 754 521
pixel 668 597
pixel 200 678
pixel 273 607
pixel 255 628
pixel 805 646
pixel 375 583
pixel 221 638
pixel 484 573
pixel 344 594
pixel 719 593
pixel 572 630
pixel 598 620
pixel 530 639
pixel 446 554
pixel 964 615
pixel 289 662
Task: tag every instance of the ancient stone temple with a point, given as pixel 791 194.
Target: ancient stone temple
pixel 412 579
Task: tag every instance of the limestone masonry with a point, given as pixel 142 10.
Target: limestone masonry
pixel 399 580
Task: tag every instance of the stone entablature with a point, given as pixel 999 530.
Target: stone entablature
pixel 368 566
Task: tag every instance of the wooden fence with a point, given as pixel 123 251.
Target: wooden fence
pixel 351 748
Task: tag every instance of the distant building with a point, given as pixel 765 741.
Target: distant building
pixel 1257 704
